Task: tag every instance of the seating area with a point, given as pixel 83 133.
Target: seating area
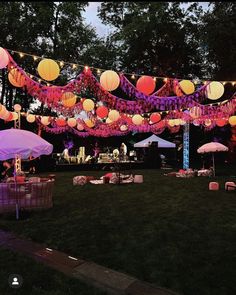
pixel 34 193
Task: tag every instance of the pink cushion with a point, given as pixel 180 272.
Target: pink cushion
pixel 79 180
pixel 230 183
pixel 214 186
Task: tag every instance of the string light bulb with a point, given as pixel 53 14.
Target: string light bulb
pixel 35 58
pixel 165 80
pixel 61 63
pixel 155 79
pixel 86 68
pixel 133 76
pixel 21 54
pixel 98 71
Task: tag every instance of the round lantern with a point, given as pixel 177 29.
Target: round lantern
pixel 88 105
pixel 232 120
pixel 207 122
pixel 10 117
pixel 187 86
pixel 214 90
pixel 155 117
pixel 4 59
pixel 89 123
pixel 123 127
pixel 113 115
pixel 108 121
pixel 15 116
pixel 45 120
pixel 17 107
pixel 102 112
pixel 61 122
pixel 48 69
pixel 80 127
pixel 196 122
pixel 109 80
pixel 30 118
pixel 71 122
pixel 68 99
pixel 171 122
pixel 5 115
pixel 137 119
pixel 16 78
pixel 195 112
pixel 146 84
pixel 2 111
pixel 221 122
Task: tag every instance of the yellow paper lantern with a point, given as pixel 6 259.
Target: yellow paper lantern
pixel 71 122
pixel 15 116
pixel 89 123
pixel 137 119
pixel 113 115
pixel 214 90
pixel 48 69
pixel 68 99
pixel 187 86
pixel 195 112
pixel 45 120
pixel 30 118
pixel 232 120
pixel 17 107
pixel 16 78
pixel 88 105
pixel 171 122
pixel 109 80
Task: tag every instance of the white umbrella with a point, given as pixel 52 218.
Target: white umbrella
pixel 212 147
pixel 22 143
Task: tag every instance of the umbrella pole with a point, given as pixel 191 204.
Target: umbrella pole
pixel 213 161
pixel 15 171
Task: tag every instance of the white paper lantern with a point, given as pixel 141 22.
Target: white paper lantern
pixel 30 118
pixel 109 80
pixel 137 119
pixel 113 115
pixel 4 59
pixel 108 121
pixel 214 90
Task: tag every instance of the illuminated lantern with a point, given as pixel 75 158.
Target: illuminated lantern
pixel 80 127
pixel 171 122
pixel 30 118
pixel 71 122
pixel 4 59
pixel 48 69
pixel 137 119
pixel 214 90
pixel 221 122
pixel 88 105
pixel 108 121
pixel 61 122
pixel 5 115
pixel 161 124
pixel 177 122
pixel 109 80
pixel 195 112
pixel 45 120
pixel 15 116
pixel 16 78
pixel 187 86
pixel 146 84
pixel 68 99
pixel 232 120
pixel 207 122
pixel 10 117
pixel 89 123
pixel 123 127
pixel 17 107
pixel 2 111
pixel 113 115
pixel 102 112
pixel 196 122
pixel 155 117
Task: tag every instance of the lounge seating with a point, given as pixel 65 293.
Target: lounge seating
pixel 230 186
pixel 214 186
pixel 29 195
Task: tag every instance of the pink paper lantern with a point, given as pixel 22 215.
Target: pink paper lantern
pixel 4 59
pixel 155 117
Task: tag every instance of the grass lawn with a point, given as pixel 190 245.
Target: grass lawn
pixel 169 231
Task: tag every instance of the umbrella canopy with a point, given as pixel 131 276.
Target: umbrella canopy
pixel 23 143
pixel 212 147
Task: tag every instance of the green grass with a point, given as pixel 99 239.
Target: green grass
pixel 172 232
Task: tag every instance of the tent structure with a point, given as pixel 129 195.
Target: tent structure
pixel 162 143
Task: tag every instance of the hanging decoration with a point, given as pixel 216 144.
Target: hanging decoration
pixel 109 80
pixel 113 115
pixel 187 86
pixel 214 90
pixel 30 118
pixel 146 85
pixel 88 105
pixel 71 122
pixel 16 78
pixel 4 59
pixel 154 118
pixel 68 99
pixel 48 69
pixel 137 119
pixel 102 112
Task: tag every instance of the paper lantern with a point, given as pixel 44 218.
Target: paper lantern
pixel 113 115
pixel 30 118
pixel 182 122
pixel 88 105
pixel 89 123
pixel 4 59
pixel 146 84
pixel 123 128
pixel 61 122
pixel 161 124
pixel 45 120
pixel 71 122
pixel 137 119
pixel 80 127
pixel 102 112
pixel 195 112
pixel 5 115
pixel 109 80
pixel 221 122
pixel 10 117
pixel 207 122
pixel 171 122
pixel 232 120
pixel 17 107
pixel 214 90
pixel 2 111
pixel 187 86
pixel 16 78
pixel 155 117
pixel 48 69
pixel 196 122
pixel 68 99
pixel 108 121
pixel 15 116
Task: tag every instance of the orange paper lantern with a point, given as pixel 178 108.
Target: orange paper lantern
pixel 88 105
pixel 221 122
pixel 68 99
pixel 146 84
pixel 16 78
pixel 89 123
